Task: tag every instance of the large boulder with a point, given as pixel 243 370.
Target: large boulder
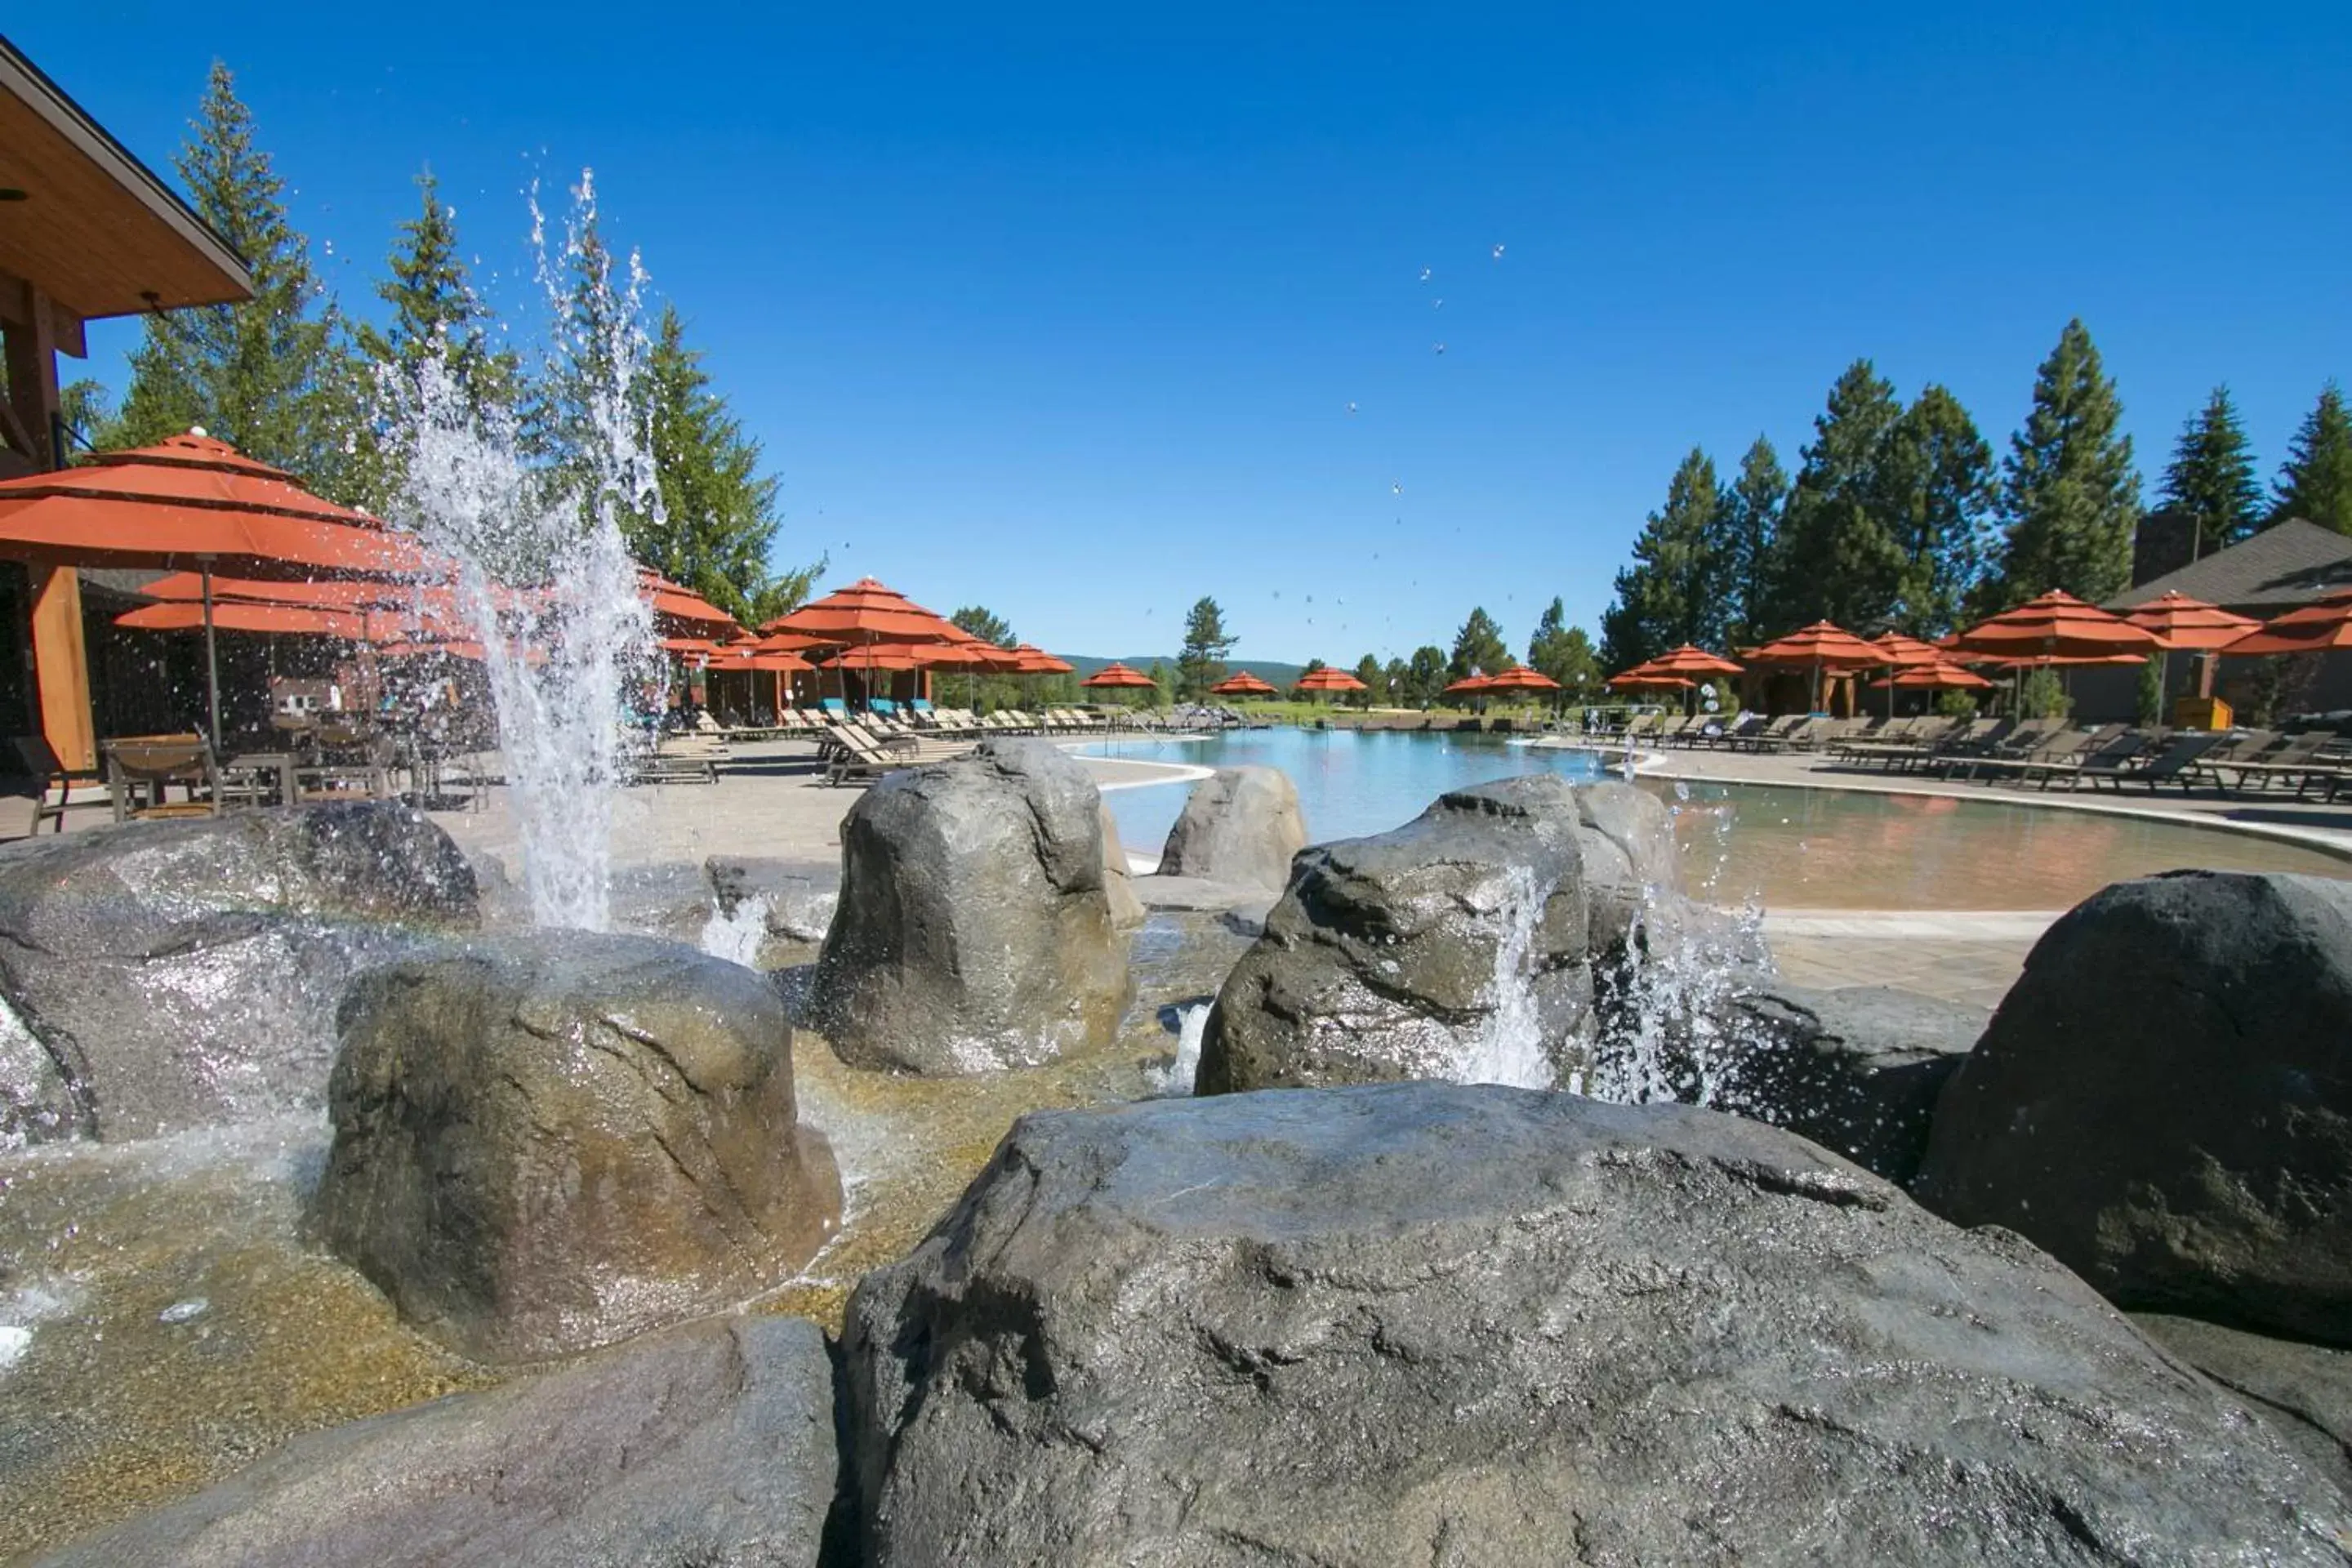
pixel 1417 1323
pixel 1127 911
pixel 795 901
pixel 1633 867
pixel 553 1140
pixel 1453 947
pixel 1239 824
pixel 2303 1390
pixel 974 931
pixel 185 973
pixel 712 1444
pixel 2163 1102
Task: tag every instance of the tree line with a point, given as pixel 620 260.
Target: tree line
pixel 289 378
pixel 1899 517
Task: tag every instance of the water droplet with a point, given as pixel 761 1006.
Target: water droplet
pixel 1424 274
pixel 1396 488
pixel 1441 348
pixel 1437 304
pixel 1498 253
pixel 185 1311
pixel 1351 409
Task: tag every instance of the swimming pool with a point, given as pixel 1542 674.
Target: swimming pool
pixel 1785 848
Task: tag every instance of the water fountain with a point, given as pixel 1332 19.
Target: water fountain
pixel 543 575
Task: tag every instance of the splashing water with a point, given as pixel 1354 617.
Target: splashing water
pixel 735 934
pixel 1508 1047
pixel 544 579
pixel 1177 1077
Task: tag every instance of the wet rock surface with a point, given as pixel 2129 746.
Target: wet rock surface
pixel 1631 863
pixel 1856 1069
pixel 975 931
pixel 551 1140
pixel 185 973
pixel 712 1444
pixel 1127 911
pixel 1239 824
pixel 2163 1102
pixel 797 899
pixel 1415 1323
pixel 1403 955
pixel 2303 1390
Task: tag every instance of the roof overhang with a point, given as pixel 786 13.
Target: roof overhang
pixel 96 230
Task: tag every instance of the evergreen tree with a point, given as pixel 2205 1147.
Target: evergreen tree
pixel 1747 526
pixel 985 624
pixel 271 376
pixel 434 305
pixel 1396 681
pixel 1206 642
pixel 1837 557
pixel 1938 477
pixel 1477 648
pixel 1674 590
pixel 2070 496
pixel 717 525
pixel 2211 476
pixel 1563 652
pixel 1426 675
pixel 2315 483
pixel 1375 680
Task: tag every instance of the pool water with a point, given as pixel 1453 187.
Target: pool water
pixel 1780 847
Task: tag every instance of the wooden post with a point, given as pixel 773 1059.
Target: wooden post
pixel 60 658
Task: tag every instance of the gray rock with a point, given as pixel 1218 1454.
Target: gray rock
pixel 1417 1323
pixel 1239 824
pixel 2163 1102
pixel 1452 947
pixel 1855 1069
pixel 799 899
pixel 975 932
pixel 1127 911
pixel 2304 1390
pixel 552 1140
pixel 1632 868
pixel 1199 895
pixel 186 973
pixel 37 1102
pixel 709 1445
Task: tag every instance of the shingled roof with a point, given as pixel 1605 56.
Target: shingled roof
pixel 2288 565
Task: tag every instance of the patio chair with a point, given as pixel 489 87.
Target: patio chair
pixel 1770 735
pixel 2170 765
pixel 136 763
pixel 41 765
pixel 2287 763
pixel 2117 752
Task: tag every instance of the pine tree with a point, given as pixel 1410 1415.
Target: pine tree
pixel 2315 483
pixel 716 525
pixel 433 305
pixel 1426 676
pixel 2070 496
pixel 1375 680
pixel 1836 557
pixel 2211 476
pixel 984 624
pixel 271 376
pixel 1201 661
pixel 1674 591
pixel 1563 652
pixel 1396 681
pixel 1747 526
pixel 1478 648
pixel 1939 480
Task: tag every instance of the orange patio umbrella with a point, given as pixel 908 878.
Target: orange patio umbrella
pixel 191 502
pixel 1241 683
pixel 2186 622
pixel 274 620
pixel 1821 646
pixel 1937 677
pixel 2058 625
pixel 750 657
pixel 1115 676
pixel 1641 677
pixel 1468 686
pixel 1328 679
pixel 680 610
pixel 1692 659
pixel 1519 677
pixel 1035 660
pixel 2316 627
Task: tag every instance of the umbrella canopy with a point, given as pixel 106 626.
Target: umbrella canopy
pixel 1241 683
pixel 865 612
pixel 272 620
pixel 2186 622
pixel 1692 659
pixel 193 502
pixel 751 655
pixel 1903 652
pixel 1035 660
pixel 2057 626
pixel 1519 677
pixel 2061 661
pixel 1118 675
pixel 1468 686
pixel 1822 645
pixel 1641 679
pixel 680 610
pixel 1328 679
pixel 1937 677
pixel 2314 628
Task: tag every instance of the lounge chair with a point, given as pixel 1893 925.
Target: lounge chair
pixel 2171 765
pixel 2117 752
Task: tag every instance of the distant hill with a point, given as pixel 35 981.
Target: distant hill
pixel 1269 670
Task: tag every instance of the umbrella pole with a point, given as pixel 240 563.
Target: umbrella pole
pixel 212 661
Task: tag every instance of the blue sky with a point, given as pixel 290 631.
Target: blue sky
pixel 1065 312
